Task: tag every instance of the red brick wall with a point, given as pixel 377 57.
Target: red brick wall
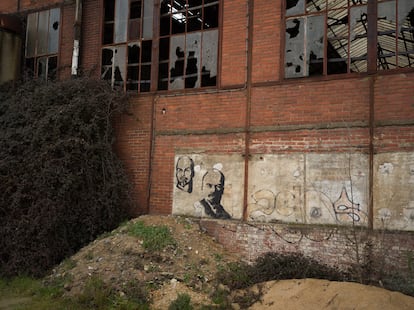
pixel 133 145
pixel 66 41
pixel 335 246
pixel 311 102
pixel 267 36
pixel 311 140
pixel 91 38
pixel 8 7
pixel 233 52
pixel 394 98
pixel 201 111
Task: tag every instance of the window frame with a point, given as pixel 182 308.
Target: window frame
pixel 126 43
pixel 189 46
pixel 156 62
pixel 41 55
pixel 372 57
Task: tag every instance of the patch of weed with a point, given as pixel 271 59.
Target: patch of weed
pixel 277 266
pixel 154 238
pixel 182 302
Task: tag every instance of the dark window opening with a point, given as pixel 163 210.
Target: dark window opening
pixel 127 44
pixel 188 44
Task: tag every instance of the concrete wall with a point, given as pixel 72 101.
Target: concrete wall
pixel 393 191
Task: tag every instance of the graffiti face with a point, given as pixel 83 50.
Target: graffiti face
pixel 184 172
pixel 213 186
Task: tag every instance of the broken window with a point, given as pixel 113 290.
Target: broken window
pixel 188 44
pixel 395 25
pixel 42 43
pixel 330 36
pixel 127 44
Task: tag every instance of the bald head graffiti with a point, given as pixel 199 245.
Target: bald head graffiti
pixel 184 172
pixel 213 188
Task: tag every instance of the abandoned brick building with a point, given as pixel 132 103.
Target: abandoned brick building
pixel 283 125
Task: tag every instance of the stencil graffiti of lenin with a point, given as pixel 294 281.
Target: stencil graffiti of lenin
pixel 212 187
pixel 184 172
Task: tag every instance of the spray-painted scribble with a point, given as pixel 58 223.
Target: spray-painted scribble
pixel 346 210
pixel 184 173
pixel 212 188
pixel 269 207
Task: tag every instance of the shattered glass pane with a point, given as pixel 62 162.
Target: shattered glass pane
pixel 357 2
pixel 405 33
pixel 54 23
pixel 209 58
pixel 121 20
pixel 31 34
pixel 315 44
pixel 336 4
pixel 177 58
pixel 337 24
pixel 193 50
pixel 405 44
pixel 358 21
pixel 315 5
pixel 404 9
pixel 337 45
pixel 119 66
pixel 358 38
pixel 148 19
pixel 42 30
pixel 294 48
pixel 386 26
pixel 295 7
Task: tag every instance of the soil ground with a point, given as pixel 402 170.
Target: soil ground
pixel 191 266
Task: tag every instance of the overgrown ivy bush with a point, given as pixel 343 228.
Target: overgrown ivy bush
pixel 278 266
pixel 60 182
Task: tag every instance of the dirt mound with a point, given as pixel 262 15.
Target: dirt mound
pixel 323 294
pixel 121 261
pixel 191 266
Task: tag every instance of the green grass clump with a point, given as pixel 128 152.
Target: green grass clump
pixel 27 293
pixel 183 302
pixel 154 238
